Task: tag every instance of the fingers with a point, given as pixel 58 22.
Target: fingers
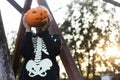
pixel 27 27
pixel 24 22
pixel 50 20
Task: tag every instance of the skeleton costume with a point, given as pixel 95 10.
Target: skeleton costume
pixel 39 52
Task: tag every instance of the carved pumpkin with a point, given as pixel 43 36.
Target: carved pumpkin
pixel 36 17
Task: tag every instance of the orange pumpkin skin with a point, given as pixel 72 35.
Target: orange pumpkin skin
pixel 36 17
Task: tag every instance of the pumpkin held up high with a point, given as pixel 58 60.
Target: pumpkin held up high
pixel 36 17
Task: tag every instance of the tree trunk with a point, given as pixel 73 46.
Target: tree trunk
pixel 21 31
pixel 6 71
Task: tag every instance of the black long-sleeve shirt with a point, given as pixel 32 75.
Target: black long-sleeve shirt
pixel 40 56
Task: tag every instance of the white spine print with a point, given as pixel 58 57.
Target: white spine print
pixel 38 50
pixel 39 66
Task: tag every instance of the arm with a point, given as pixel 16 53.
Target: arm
pixel 27 46
pixel 57 42
pixel 53 43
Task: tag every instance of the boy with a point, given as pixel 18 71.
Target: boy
pixel 40 51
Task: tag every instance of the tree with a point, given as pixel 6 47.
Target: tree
pixel 87 29
pixel 6 72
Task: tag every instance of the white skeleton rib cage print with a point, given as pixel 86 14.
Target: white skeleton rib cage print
pixel 38 66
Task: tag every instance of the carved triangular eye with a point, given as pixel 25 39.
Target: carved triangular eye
pixel 34 11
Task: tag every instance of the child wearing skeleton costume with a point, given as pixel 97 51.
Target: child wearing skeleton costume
pixel 40 51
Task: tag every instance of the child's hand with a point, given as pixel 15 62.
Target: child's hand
pixel 27 27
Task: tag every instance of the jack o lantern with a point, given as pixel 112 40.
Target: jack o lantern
pixel 36 17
